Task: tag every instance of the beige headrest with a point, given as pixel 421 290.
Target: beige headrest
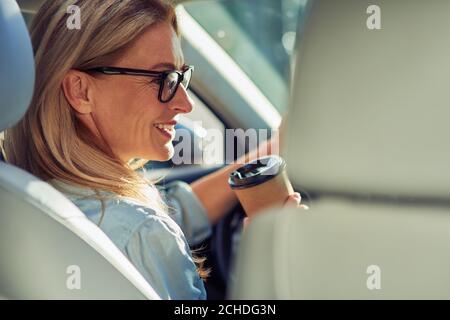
pixel 371 107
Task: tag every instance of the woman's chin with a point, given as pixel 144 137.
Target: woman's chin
pixel 165 154
pixel 161 154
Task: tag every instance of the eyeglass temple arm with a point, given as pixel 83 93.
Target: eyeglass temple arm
pixel 115 71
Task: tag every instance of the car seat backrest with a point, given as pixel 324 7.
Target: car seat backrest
pixel 16 65
pixel 371 106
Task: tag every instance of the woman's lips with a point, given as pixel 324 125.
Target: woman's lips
pixel 166 129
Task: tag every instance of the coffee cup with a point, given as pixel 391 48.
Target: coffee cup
pixel 261 184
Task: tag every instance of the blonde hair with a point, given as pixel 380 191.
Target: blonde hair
pixel 49 141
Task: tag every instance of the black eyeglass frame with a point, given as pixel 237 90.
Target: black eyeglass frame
pixel 161 75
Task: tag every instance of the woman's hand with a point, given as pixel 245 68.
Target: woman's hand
pixel 292 200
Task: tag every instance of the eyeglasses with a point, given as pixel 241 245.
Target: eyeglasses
pixel 169 81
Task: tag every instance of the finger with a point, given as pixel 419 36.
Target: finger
pixel 295 196
pixel 246 222
pixel 292 201
pixel 304 207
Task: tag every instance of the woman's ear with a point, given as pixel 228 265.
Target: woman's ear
pixel 76 89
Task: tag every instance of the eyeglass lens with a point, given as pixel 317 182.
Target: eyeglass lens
pixel 171 83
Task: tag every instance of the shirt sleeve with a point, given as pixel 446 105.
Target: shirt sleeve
pixel 187 211
pixel 160 252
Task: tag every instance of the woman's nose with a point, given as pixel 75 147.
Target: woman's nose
pixel 182 102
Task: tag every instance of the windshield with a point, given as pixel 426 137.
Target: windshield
pixel 259 35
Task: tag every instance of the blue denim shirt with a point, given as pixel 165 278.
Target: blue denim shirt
pixel 155 242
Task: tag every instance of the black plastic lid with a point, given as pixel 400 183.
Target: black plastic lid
pixel 256 172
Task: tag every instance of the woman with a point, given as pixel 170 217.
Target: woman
pixel 96 115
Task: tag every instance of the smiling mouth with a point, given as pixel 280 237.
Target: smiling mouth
pixel 168 130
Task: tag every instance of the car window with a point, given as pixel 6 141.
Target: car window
pixel 202 120
pixel 259 35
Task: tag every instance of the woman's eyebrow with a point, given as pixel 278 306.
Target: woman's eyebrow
pixel 166 65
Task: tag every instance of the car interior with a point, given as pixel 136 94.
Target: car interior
pixel 365 146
